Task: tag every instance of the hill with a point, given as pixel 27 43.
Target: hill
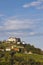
pixel 17 45
pixel 19 53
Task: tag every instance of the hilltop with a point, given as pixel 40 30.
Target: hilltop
pixel 17 45
pixel 17 52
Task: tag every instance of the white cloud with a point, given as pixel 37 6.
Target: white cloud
pixel 40 7
pixel 11 24
pixel 32 33
pixel 17 24
pixel 1 15
pixel 36 3
pixel 18 33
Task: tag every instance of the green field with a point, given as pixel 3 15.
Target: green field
pixel 21 59
pixel 36 57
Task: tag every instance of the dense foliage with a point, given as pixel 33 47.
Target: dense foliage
pixel 20 58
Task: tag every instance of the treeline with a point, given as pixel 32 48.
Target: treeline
pixel 27 47
pixel 31 48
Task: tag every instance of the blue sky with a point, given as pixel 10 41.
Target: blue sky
pixel 22 18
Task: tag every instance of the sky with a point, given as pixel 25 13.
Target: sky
pixel 23 19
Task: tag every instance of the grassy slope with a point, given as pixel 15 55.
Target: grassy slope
pixel 36 57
